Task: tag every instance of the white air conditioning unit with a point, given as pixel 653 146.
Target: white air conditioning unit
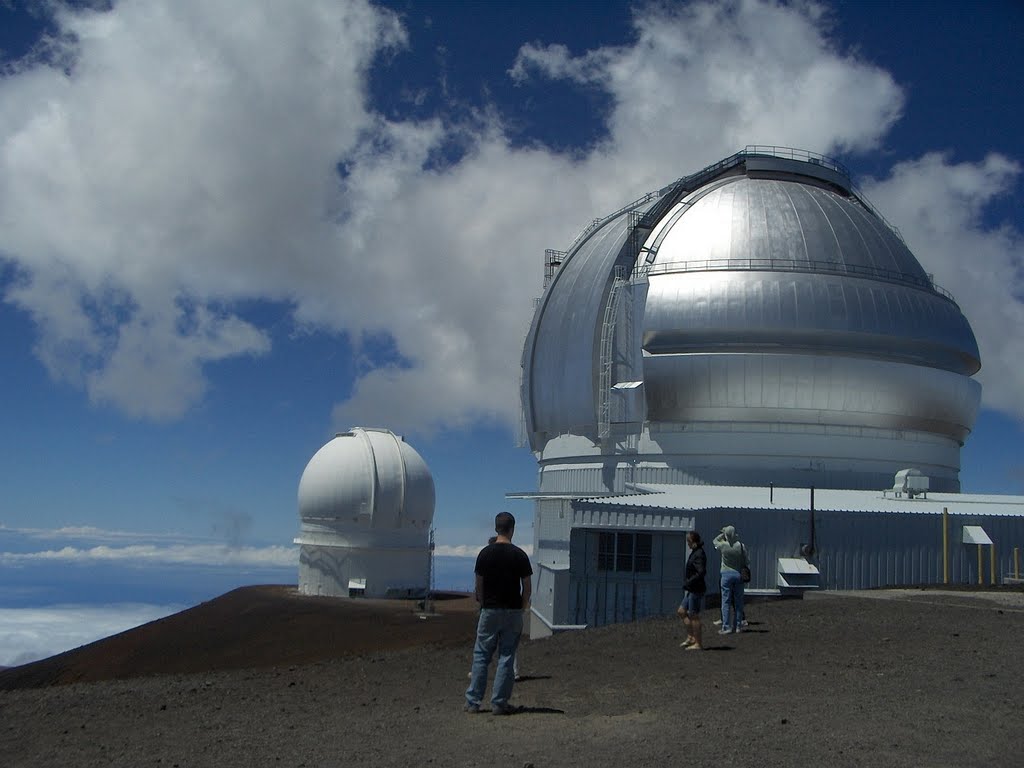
pixel 911 482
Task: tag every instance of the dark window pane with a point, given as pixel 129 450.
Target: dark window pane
pixel 624 561
pixel 643 553
pixel 606 552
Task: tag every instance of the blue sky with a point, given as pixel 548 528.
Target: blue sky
pixel 229 229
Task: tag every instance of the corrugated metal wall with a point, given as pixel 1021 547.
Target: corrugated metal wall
pixel 859 550
pixel 863 550
pixel 854 550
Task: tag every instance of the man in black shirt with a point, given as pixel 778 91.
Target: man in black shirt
pixel 503 590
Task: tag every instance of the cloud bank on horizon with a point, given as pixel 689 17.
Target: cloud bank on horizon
pixel 165 166
pixel 88 545
pixel 61 588
pixel 19 547
pixel 28 634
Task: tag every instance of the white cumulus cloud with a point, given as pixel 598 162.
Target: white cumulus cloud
pixel 185 164
pixel 696 84
pixel 939 205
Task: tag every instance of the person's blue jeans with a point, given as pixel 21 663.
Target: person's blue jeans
pixel 732 599
pixel 497 630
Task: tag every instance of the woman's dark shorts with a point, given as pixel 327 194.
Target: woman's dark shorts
pixel 692 603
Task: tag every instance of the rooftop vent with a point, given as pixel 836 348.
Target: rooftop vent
pixel 910 482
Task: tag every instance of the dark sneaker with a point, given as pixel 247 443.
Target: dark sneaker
pixel 472 709
pixel 506 709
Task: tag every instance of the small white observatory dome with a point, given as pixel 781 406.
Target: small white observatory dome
pixel 366 504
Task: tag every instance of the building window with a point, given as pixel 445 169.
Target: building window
pixel 624 552
pixel 606 552
pixel 642 562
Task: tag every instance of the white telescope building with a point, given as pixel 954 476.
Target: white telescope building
pixel 720 351
pixel 366 503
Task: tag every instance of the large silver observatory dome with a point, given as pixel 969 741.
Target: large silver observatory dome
pixel 756 322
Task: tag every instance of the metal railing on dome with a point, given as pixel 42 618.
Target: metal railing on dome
pixel 791 153
pixel 689 183
pixel 796 265
pixel 598 223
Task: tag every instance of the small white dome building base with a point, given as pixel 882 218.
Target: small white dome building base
pixel 366 504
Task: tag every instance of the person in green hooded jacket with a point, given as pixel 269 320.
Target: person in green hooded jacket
pixel 734 559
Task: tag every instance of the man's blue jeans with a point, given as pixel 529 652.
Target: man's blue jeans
pixel 732 598
pixel 498 629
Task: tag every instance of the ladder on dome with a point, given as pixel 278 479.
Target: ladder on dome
pixel 552 261
pixel 611 310
pixel 619 305
pixel 640 225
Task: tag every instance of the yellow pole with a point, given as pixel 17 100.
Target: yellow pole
pixel 981 576
pixel 992 564
pixel 945 545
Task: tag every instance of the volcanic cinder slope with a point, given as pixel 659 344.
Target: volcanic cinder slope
pixel 908 678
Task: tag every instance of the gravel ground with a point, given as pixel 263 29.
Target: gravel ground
pixel 917 679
